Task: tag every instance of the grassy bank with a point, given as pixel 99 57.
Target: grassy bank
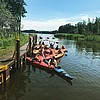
pixel 94 38
pixel 69 36
pixel 8 44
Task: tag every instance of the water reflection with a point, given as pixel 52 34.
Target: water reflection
pixel 88 48
pixel 15 87
pixel 51 72
pixel 82 62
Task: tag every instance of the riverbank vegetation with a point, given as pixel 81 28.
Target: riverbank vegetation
pixel 8 44
pixel 95 38
pixel 11 12
pixel 89 31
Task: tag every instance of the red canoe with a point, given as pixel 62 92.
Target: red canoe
pixel 40 63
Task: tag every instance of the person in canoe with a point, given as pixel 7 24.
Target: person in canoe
pixel 52 61
pixel 63 47
pixel 51 52
pixel 60 51
pixel 40 42
pixel 51 45
pixel 43 43
pixel 57 47
pixel 42 52
pixel 35 58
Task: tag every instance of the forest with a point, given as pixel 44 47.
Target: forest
pixel 85 28
pixel 11 12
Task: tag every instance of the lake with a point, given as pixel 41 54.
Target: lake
pixel 82 62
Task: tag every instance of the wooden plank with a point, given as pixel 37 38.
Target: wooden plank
pixel 8 60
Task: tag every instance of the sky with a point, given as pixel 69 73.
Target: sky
pixel 48 15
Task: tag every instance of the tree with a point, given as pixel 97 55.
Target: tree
pixel 97 25
pixel 68 28
pixel 5 19
pixel 16 7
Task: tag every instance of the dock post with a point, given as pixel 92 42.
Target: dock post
pixel 24 59
pixel 29 42
pixel 29 49
pixel 35 39
pixel 4 77
pixel 32 44
pixel 17 54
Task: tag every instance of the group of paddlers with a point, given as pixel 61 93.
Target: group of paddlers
pixel 47 52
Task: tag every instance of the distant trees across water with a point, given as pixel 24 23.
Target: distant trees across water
pixel 42 32
pixel 86 28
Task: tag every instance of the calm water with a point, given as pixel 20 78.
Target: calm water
pixel 82 62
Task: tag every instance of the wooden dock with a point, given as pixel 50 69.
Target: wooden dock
pixel 8 58
pixel 15 59
pixel 7 61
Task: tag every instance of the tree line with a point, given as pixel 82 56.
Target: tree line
pixel 11 12
pixel 86 28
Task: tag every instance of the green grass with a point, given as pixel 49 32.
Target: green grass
pixel 70 36
pixel 94 38
pixel 8 44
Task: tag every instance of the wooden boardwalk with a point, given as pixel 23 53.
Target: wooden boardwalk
pixel 8 60
pixel 12 61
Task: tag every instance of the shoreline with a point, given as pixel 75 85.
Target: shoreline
pixel 91 38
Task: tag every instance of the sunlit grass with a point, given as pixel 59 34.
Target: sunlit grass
pixel 8 44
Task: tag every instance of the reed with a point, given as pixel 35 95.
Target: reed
pixel 94 38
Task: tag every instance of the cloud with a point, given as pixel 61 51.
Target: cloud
pixel 47 25
pixel 51 24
